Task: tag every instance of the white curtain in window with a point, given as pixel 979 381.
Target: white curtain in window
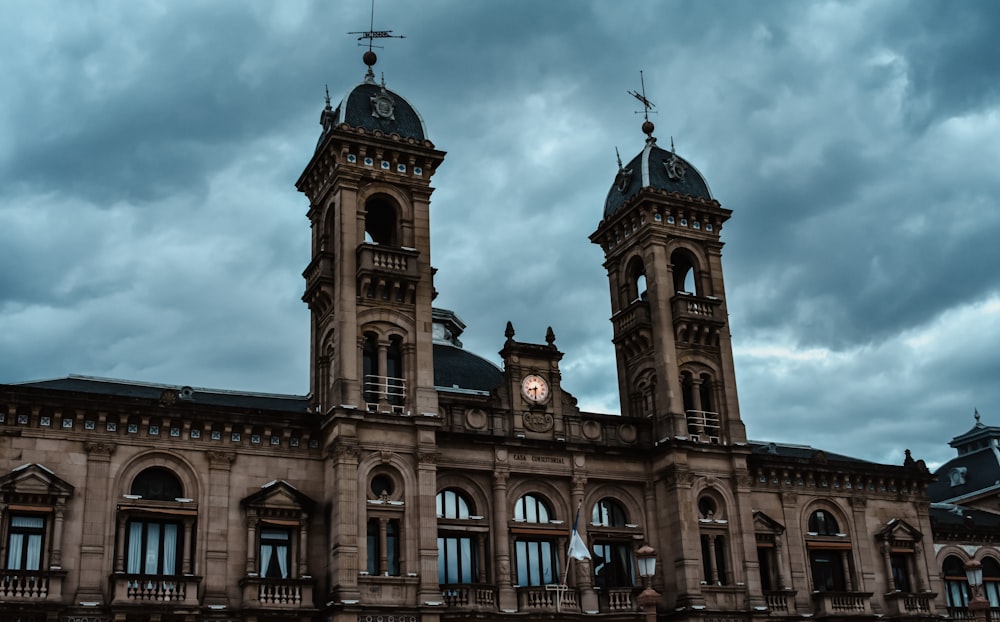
pixel 134 549
pixel 14 551
pixel 170 549
pixel 265 558
pixel 34 560
pixel 282 552
pixel 152 548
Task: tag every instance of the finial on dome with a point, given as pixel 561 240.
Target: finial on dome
pixel 550 337
pixel 618 156
pixel 509 331
pixel 327 86
pixel 672 150
pixel 978 416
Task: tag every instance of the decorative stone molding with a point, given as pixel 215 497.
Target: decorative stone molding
pixel 99 450
pixel 344 451
pixel 220 459
pixel 428 457
pixel 537 422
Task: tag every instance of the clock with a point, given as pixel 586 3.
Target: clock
pixel 534 388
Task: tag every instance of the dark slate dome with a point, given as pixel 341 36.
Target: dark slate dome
pixel 455 368
pixel 373 107
pixel 657 168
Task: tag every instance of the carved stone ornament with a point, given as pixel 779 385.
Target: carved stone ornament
pixel 383 106
pixel 537 422
pixel 675 168
pixel 99 448
pixel 220 459
pixel 622 179
pixel 168 397
pixel 344 451
pixel 428 457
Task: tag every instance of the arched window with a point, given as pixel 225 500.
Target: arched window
pixel 461 540
pixel 636 274
pixel 991 581
pixel 685 275
pixel 702 416
pixel 157 484
pixel 531 509
pixel 395 384
pixel 536 552
pixel 613 558
pixel 829 554
pixel 714 528
pixel 956 586
pixel 822 523
pixel 609 513
pixel 385 514
pixel 380 222
pixel 369 358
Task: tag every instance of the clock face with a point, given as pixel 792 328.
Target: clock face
pixel 534 388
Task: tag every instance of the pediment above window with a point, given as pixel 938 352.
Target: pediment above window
pixel 278 496
pixel 34 483
pixel 764 523
pixel 899 531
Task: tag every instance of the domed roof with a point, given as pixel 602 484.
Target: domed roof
pixel 374 107
pixel 655 168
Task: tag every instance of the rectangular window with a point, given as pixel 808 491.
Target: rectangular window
pixel 764 561
pixel 536 563
pixel 827 570
pixel 153 547
pixel 380 531
pixel 457 561
pixel 24 542
pixel 900 563
pixel 613 564
pixel 274 551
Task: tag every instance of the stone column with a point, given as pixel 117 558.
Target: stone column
pixel 186 549
pixel 779 563
pixel 98 526
pixel 890 580
pixel 506 597
pixel 55 557
pixel 919 568
pixel 216 533
pixel 252 522
pixel 304 546
pixel 713 577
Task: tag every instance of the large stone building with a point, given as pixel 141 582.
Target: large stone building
pixel 418 481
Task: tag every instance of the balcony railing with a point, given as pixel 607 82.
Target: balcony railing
pixel 907 603
pixel 842 603
pixel 468 596
pixel 546 598
pixel 387 273
pixel 30 585
pixel 780 601
pixel 703 426
pixel 385 394
pixel 277 593
pixel 156 589
pixel 618 599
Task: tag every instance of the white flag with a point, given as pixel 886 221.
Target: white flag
pixel 577 547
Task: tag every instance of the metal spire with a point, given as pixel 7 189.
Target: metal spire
pixel 647 107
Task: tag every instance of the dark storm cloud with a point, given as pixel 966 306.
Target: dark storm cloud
pixel 151 230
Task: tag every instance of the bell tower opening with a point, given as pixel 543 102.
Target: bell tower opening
pixel 685 275
pixel 380 222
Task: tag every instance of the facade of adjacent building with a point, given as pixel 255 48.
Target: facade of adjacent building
pixel 965 517
pixel 419 482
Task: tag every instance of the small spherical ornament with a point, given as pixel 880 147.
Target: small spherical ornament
pixel 647 128
pixel 369 58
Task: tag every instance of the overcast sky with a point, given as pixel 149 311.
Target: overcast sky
pixel 150 229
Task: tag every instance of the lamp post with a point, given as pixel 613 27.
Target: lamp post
pixel 649 597
pixel 978 606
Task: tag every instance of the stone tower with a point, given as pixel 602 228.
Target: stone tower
pixel 369 285
pixel 660 235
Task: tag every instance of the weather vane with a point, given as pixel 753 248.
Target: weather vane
pixel 647 107
pixel 371 34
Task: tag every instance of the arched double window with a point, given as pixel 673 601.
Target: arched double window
pixel 535 549
pixel 613 559
pixel 714 531
pixel 158 525
pixel 382 367
pixel 384 526
pixel 829 553
pixel 461 539
pixel 698 394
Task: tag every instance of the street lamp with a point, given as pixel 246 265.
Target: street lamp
pixel 649 597
pixel 978 605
